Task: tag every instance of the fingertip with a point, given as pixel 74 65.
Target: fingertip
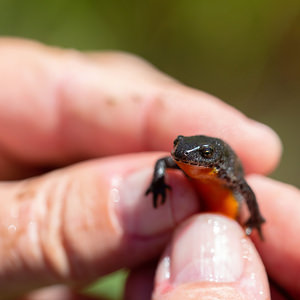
pixel 261 148
pixel 210 256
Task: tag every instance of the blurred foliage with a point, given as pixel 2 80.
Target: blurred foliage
pixel 245 52
pixel 110 287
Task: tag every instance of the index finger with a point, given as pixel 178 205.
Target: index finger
pixel 61 106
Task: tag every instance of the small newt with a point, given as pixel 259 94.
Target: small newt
pixel 219 174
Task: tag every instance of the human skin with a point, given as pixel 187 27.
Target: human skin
pixel 70 119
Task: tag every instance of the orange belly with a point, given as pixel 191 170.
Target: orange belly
pixel 214 195
pixel 217 198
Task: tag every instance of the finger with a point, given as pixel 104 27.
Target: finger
pixel 139 284
pixel 76 224
pixel 59 292
pixel 210 257
pixel 69 106
pixel 280 204
pixel 276 295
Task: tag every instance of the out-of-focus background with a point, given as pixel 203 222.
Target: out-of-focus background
pixel 245 52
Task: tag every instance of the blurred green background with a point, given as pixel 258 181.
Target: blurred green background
pixel 245 52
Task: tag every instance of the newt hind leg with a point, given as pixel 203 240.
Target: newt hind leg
pixel 256 219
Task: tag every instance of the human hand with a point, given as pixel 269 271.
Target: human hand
pixel 209 256
pixel 72 225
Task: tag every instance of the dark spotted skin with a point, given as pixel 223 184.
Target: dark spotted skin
pixel 197 153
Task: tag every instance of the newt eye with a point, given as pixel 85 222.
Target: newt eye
pixel 177 140
pixel 207 151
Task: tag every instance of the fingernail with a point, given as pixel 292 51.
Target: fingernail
pixel 207 254
pixel 209 249
pixel 135 212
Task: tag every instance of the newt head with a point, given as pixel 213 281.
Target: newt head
pixel 200 155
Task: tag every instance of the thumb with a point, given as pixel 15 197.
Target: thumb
pixel 210 258
pixel 75 224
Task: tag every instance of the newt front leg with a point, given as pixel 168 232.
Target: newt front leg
pixel 158 186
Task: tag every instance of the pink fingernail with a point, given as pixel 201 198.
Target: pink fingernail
pixel 135 211
pixel 207 251
pixel 211 251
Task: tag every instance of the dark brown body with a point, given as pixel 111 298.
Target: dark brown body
pixel 219 175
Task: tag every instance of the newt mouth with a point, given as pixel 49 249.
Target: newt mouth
pixel 186 161
pixel 192 163
pixel 196 171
